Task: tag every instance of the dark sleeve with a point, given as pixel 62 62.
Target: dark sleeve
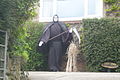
pixel 46 35
pixel 63 26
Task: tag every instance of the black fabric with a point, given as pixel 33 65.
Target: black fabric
pixel 55 30
pixel 56 47
pixel 43 49
pixel 44 37
pixel 55 55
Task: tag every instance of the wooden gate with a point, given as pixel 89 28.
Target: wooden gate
pixel 3 54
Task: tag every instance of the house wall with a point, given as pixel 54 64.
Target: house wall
pixel 38 15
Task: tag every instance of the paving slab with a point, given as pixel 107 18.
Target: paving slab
pixel 73 76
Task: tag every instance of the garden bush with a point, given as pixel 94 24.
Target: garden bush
pixel 23 35
pixel 101 42
pixel 36 61
pixel 13 15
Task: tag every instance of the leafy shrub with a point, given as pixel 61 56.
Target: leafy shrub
pixel 37 61
pixel 13 14
pixel 101 42
pixel 21 46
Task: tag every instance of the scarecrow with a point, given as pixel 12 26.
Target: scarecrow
pixel 55 40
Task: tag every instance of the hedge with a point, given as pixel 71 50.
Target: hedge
pixel 36 61
pixel 101 42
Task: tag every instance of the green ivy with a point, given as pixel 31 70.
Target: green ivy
pixel 114 7
pixel 110 1
pixel 101 42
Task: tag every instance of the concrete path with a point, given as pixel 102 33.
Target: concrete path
pixel 73 76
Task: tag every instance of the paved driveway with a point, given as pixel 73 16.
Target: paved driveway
pixel 73 76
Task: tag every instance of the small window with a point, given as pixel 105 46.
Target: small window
pixel 70 10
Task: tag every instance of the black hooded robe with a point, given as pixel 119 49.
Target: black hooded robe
pixel 57 46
